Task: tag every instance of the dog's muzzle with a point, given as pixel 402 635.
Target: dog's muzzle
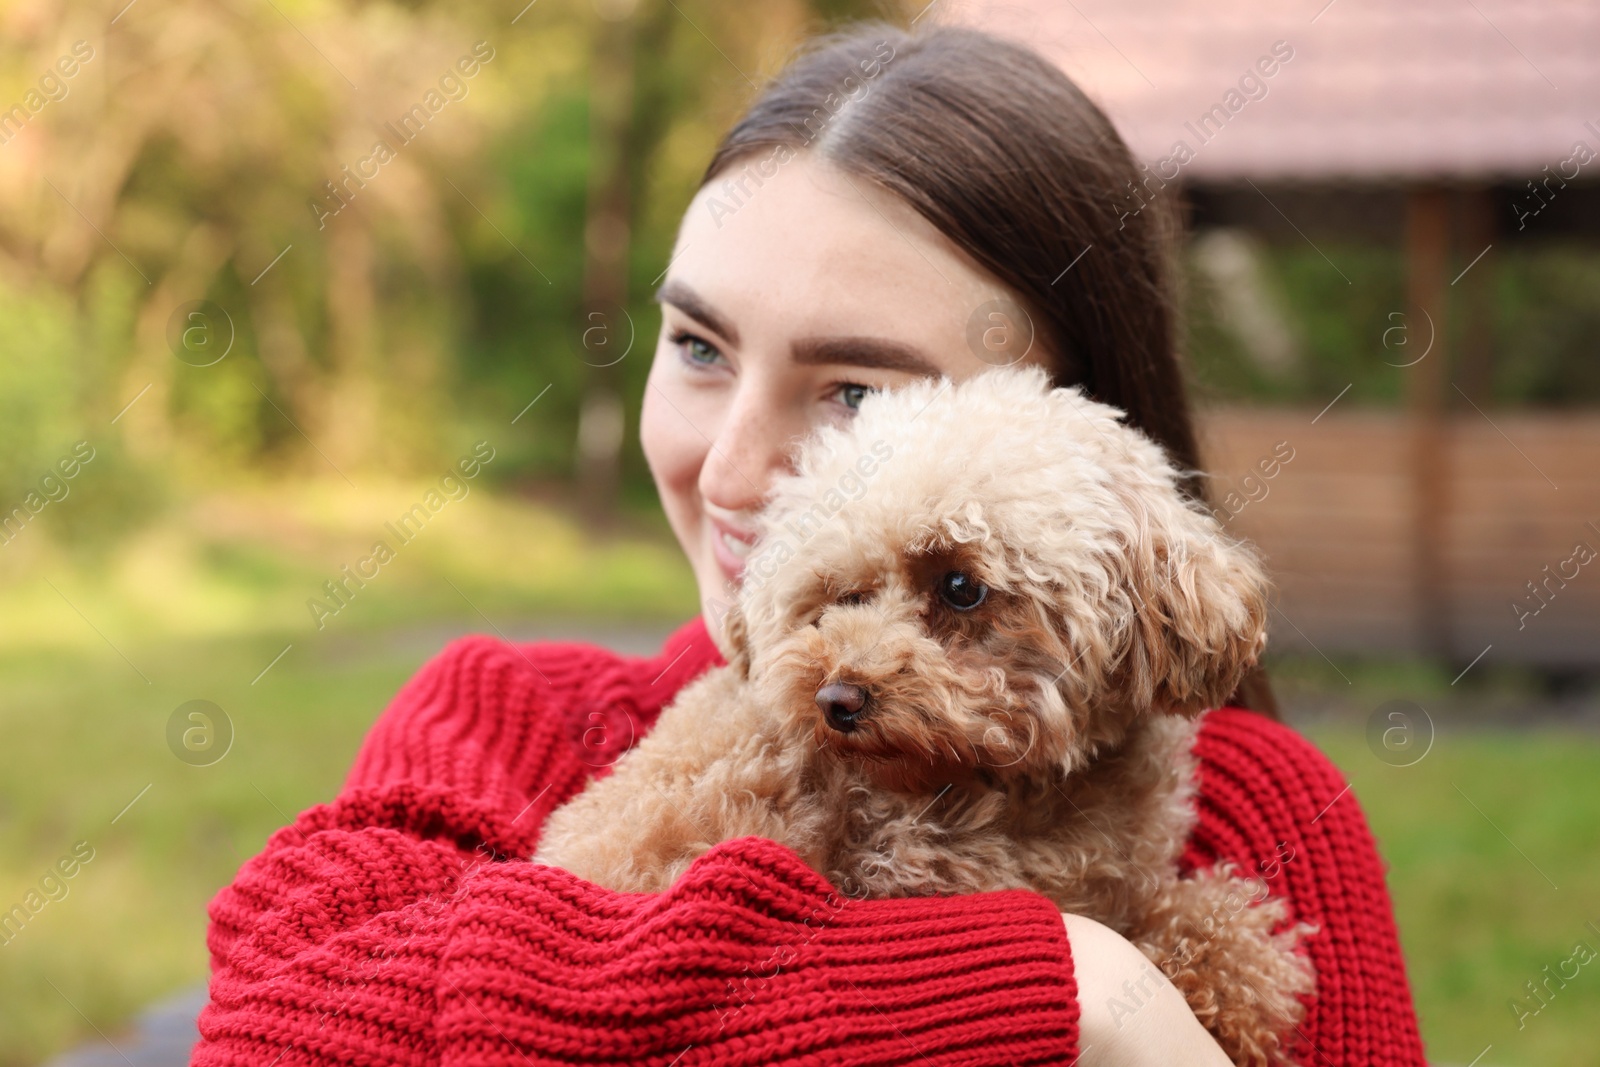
pixel 843 705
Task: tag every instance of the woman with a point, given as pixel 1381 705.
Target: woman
pixel 893 205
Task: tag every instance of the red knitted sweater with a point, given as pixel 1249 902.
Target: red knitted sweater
pixel 401 923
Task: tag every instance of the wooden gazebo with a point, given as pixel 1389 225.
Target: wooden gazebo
pixel 1455 130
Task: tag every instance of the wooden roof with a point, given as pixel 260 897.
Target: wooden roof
pixel 1374 89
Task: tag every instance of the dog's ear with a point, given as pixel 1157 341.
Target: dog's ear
pixel 1199 601
pixel 735 643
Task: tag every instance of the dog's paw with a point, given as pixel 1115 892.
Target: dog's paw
pixel 1237 957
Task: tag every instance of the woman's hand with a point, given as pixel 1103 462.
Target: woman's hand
pixel 1129 1013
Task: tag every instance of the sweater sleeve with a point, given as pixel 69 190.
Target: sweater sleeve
pixel 402 923
pixel 1274 805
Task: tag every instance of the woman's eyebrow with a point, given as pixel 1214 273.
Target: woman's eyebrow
pixel 874 352
pixel 864 352
pixel 681 296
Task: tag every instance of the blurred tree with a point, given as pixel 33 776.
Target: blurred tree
pixel 606 242
pixel 396 252
pixel 288 166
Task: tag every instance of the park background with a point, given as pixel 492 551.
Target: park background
pixel 263 382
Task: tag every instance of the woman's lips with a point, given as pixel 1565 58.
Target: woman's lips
pixel 730 549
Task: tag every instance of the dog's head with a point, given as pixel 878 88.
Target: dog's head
pixel 991 573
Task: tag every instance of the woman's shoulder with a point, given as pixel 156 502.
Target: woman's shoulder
pixel 485 703
pixel 1264 756
pixel 1267 794
pixel 1260 779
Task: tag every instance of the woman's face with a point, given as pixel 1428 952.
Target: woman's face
pixel 783 303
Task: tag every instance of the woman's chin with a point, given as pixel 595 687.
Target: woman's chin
pixel 717 585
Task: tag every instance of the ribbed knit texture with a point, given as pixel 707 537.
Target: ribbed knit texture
pixel 1263 786
pixel 401 923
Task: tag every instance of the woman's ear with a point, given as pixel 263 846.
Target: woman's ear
pixel 1200 607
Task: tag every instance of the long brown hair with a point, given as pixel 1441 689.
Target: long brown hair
pixel 998 149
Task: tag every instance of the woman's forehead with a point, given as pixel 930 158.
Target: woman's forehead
pixel 810 249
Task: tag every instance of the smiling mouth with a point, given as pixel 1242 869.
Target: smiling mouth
pixel 736 548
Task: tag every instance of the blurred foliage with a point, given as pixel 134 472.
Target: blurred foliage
pixel 40 385
pixel 1548 315
pixel 185 163
pixel 1545 314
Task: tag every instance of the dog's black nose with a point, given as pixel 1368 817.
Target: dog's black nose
pixel 842 704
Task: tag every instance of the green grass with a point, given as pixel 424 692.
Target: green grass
pixel 200 603
pixel 248 560
pixel 1480 913
pixel 96 652
pixel 85 737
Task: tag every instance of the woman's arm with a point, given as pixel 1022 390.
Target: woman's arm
pixel 400 923
pixel 1154 1026
pixel 377 948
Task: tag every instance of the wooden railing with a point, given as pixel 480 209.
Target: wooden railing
pixel 1509 561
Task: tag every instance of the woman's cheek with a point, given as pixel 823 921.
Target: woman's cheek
pixel 673 450
pixel 665 451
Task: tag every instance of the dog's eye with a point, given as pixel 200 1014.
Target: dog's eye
pixel 855 596
pixel 962 591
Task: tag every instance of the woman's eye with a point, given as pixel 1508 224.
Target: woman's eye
pixel 962 591
pixel 695 350
pixel 852 394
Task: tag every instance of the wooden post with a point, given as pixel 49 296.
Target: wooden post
pixel 1477 295
pixel 1427 260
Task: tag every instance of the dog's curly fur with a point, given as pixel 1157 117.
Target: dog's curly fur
pixel 1040 739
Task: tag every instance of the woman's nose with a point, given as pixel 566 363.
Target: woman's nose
pixel 747 452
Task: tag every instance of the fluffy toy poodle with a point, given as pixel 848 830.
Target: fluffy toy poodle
pixel 968 653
